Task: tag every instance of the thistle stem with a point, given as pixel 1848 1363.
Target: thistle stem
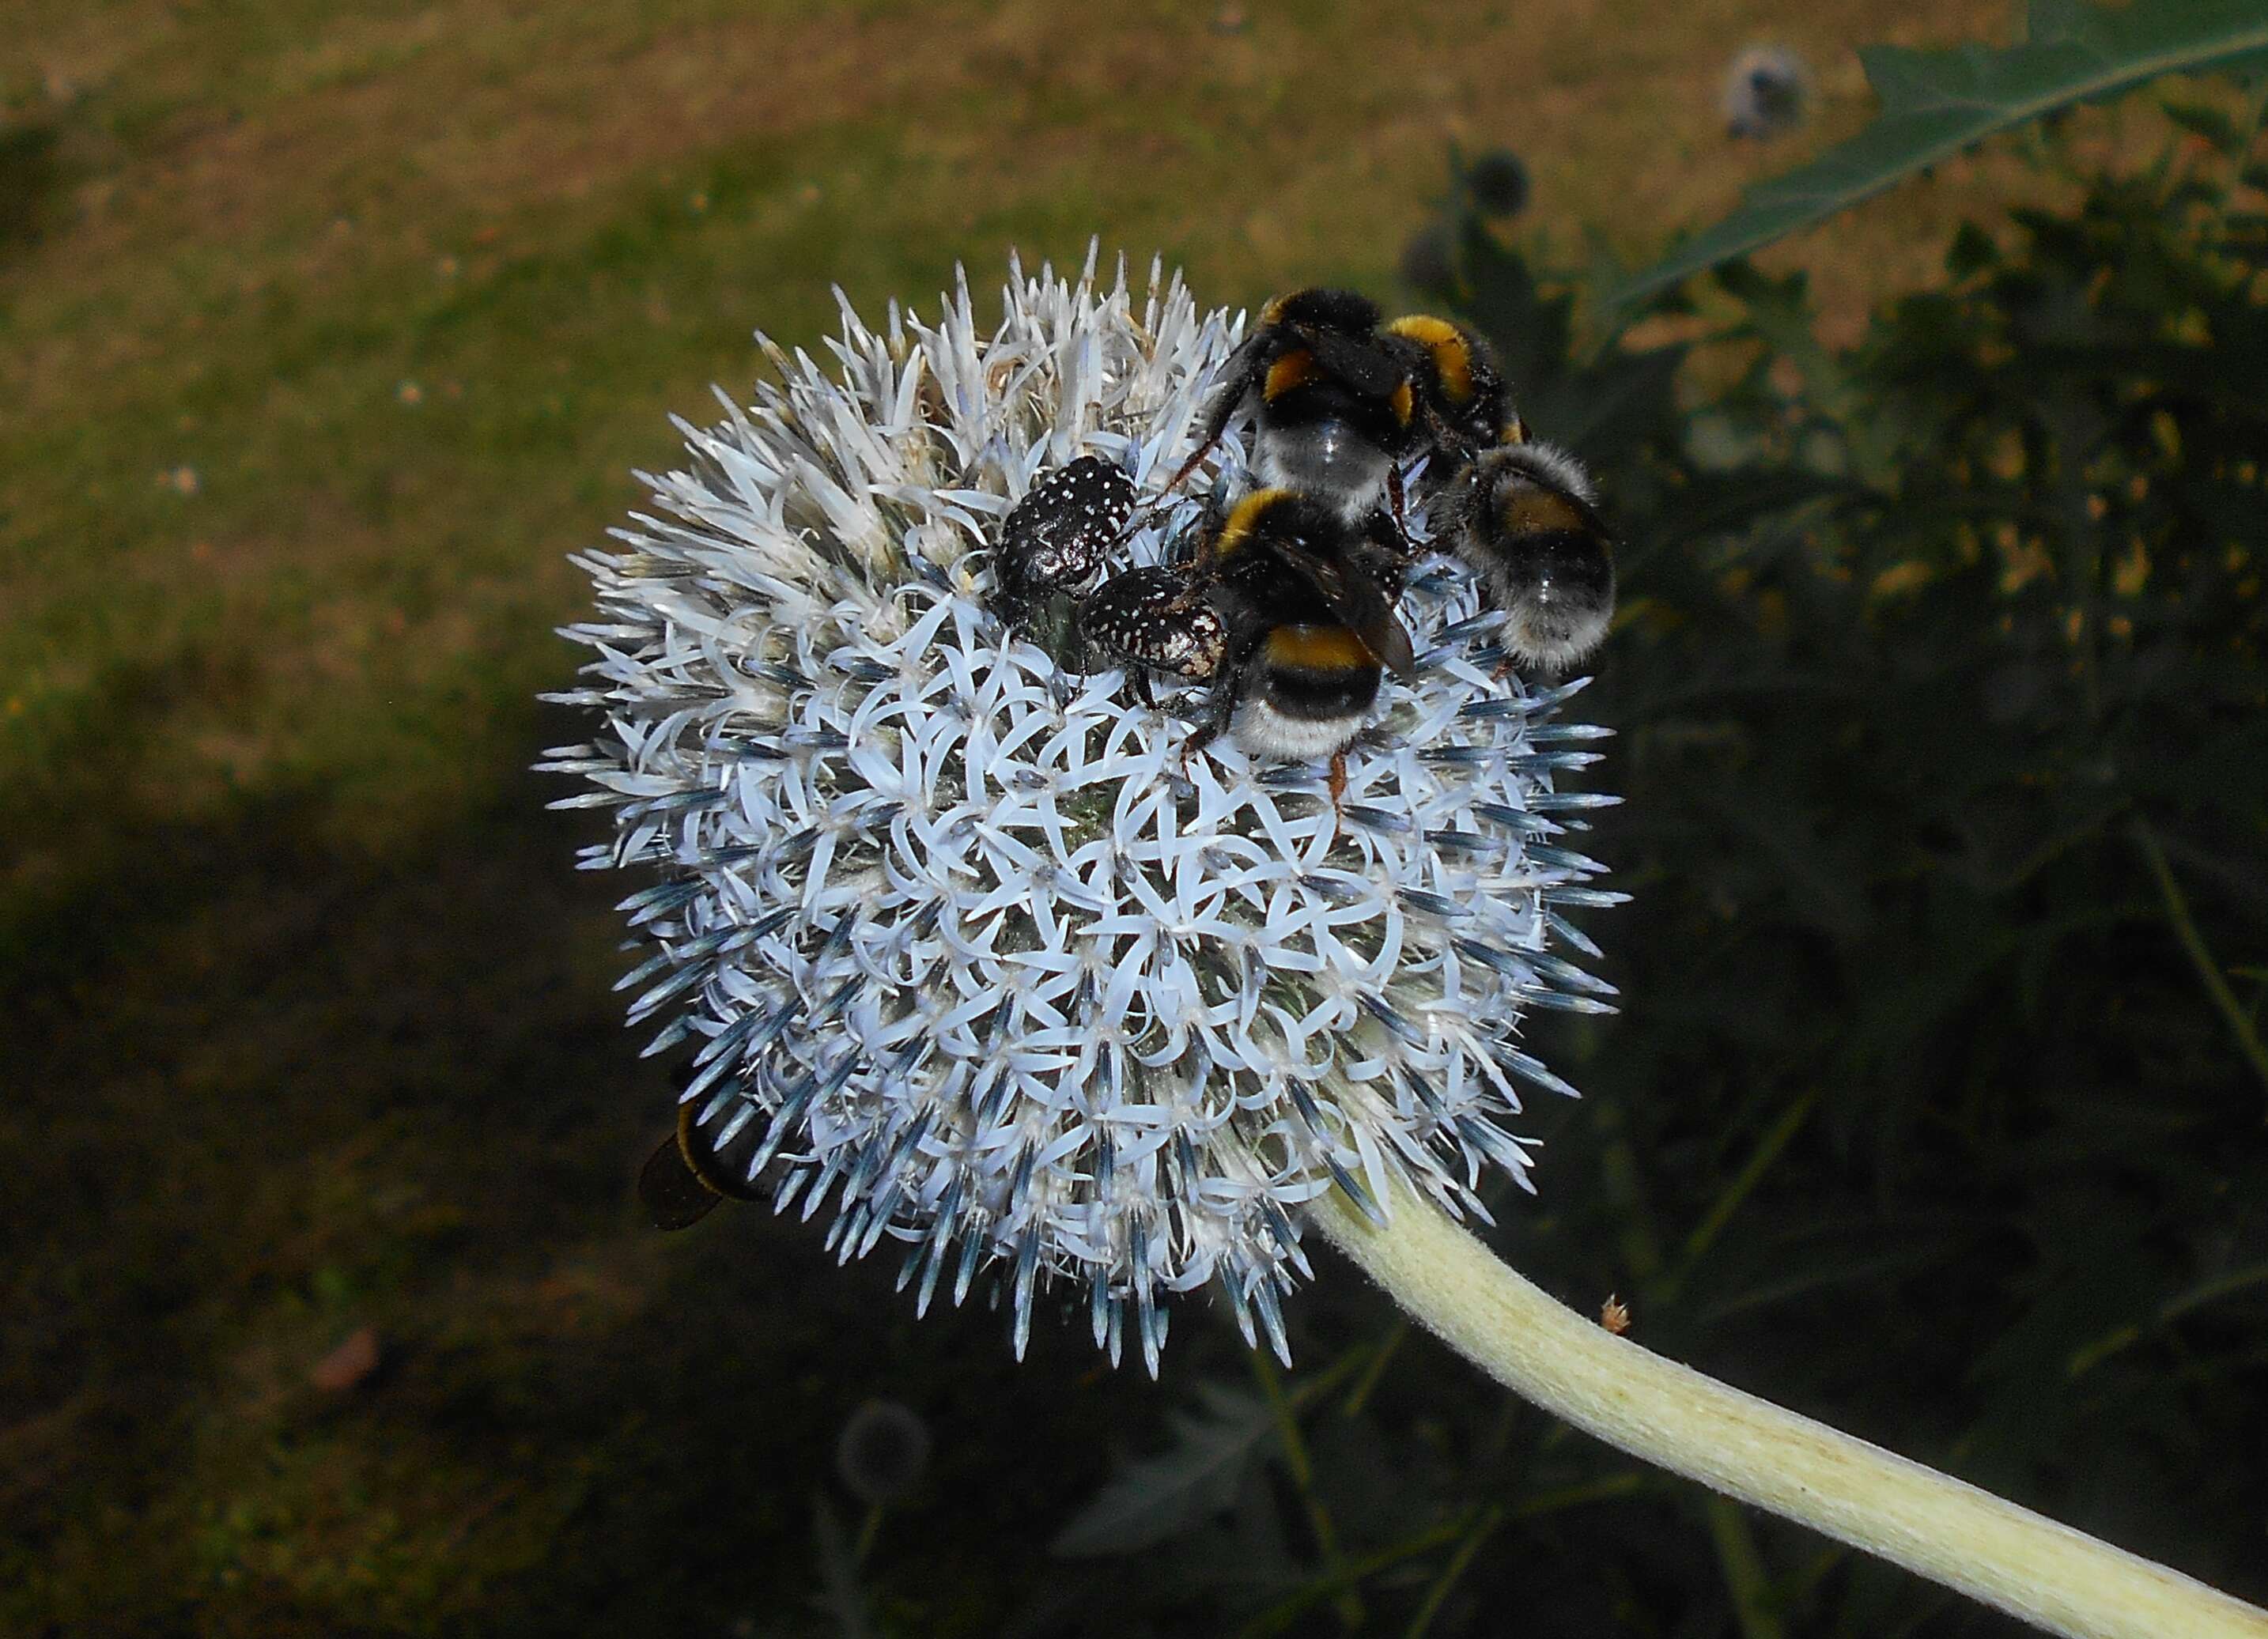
pixel 1667 1413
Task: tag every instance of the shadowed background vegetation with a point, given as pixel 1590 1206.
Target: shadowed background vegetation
pixel 1936 1106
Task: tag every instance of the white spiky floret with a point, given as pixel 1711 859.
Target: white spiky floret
pixel 966 942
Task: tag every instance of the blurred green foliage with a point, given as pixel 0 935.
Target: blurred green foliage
pixel 1936 1108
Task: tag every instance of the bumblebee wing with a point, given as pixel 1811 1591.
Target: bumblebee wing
pixel 1590 516
pixel 685 1177
pixel 1357 364
pixel 672 1191
pixel 1358 601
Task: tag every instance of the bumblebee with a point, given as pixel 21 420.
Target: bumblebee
pixel 1286 609
pixel 1463 400
pixel 684 1179
pixel 1527 524
pixel 1058 537
pixel 1335 400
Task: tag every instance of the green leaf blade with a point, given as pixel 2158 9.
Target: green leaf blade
pixel 1156 1497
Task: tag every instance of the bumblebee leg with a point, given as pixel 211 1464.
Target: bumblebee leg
pixel 1200 737
pixel 1338 793
pixel 1138 678
pixel 1227 686
pixel 1237 381
pixel 1188 467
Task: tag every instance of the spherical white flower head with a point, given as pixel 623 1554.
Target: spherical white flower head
pixel 972 946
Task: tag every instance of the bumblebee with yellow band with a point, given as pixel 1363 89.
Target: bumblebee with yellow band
pixel 1526 519
pixel 1334 402
pixel 1466 401
pixel 1287 609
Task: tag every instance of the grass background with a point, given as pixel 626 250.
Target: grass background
pixel 328 331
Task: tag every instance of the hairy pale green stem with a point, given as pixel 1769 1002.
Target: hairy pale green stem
pixel 1932 1524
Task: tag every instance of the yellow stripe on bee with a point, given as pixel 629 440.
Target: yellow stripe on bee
pixel 1452 354
pixel 1402 403
pixel 1244 519
pixel 701 1162
pixel 1533 511
pixel 1293 370
pixel 1317 649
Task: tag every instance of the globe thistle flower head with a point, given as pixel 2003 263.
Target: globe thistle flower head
pixel 1767 93
pixel 971 952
